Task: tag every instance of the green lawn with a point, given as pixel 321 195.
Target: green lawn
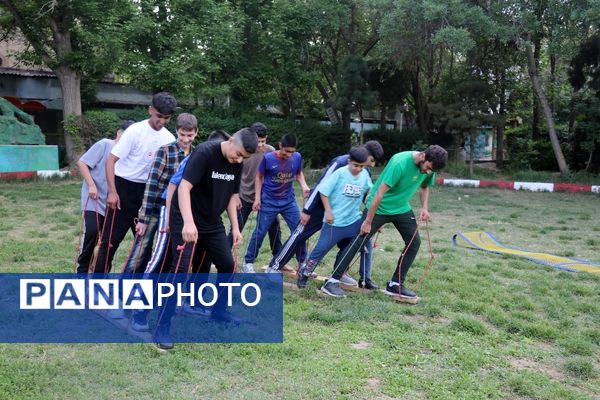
pixel 487 326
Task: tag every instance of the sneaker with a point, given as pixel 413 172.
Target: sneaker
pixel 271 270
pixel 406 292
pixel 348 280
pixel 333 289
pixel 248 268
pixel 302 277
pixel 139 322
pixel 225 317
pixel 367 284
pixel 117 313
pixel 196 310
pixel 395 289
pixel 162 338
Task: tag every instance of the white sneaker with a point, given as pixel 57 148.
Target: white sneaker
pixel 116 313
pixel 248 268
pixel 348 280
pixel 273 274
pixel 197 310
pixel 139 322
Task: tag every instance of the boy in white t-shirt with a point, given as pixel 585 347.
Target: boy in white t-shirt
pixel 127 170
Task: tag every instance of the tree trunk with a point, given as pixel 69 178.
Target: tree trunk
pixel 539 91
pixel 535 116
pixel 329 106
pixel 420 107
pixel 457 144
pixel 500 122
pixel 70 84
pixel 500 141
pixel 346 120
pixel 472 137
pixel 382 117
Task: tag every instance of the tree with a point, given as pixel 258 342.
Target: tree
pixel 353 93
pixel 426 38
pixel 72 38
pixel 342 29
pixel 391 85
pixel 182 46
pixel 496 59
pixel 529 20
pixel 584 75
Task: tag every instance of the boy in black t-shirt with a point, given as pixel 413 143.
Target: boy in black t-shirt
pixel 210 180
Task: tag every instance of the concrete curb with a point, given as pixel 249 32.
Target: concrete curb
pixel 530 186
pixel 6 176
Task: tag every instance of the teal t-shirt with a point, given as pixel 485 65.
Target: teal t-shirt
pixel 345 192
pixel 403 177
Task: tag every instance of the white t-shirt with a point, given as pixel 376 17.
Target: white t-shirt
pixel 136 150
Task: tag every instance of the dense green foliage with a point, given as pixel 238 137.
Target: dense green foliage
pixel 447 65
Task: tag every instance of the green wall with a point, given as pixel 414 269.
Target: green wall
pixel 28 158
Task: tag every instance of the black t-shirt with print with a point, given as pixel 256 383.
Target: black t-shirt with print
pixel 214 180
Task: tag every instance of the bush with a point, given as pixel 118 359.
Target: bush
pixel 394 141
pixel 96 125
pixel 526 153
pixel 317 142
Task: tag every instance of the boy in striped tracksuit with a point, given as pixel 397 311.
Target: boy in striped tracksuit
pixel 311 221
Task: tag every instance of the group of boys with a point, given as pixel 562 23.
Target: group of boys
pixel 150 183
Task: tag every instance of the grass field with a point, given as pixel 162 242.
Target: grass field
pixel 487 326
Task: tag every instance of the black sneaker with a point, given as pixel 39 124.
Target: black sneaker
pixel 333 289
pixel 367 284
pixel 406 292
pixel 302 277
pixel 225 317
pixel 162 339
pixel 399 290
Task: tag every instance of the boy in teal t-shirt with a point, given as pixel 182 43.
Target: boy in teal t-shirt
pixel 342 194
pixel 389 201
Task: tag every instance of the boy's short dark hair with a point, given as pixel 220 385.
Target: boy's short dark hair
pixel 374 148
pixel 437 155
pixel 260 129
pixel 289 140
pixel 187 122
pixel 164 103
pixel 126 123
pixel 248 139
pixel 359 154
pixel 219 135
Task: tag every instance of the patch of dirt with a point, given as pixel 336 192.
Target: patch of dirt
pixel 523 363
pixel 361 345
pixel 373 383
pixel 441 320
